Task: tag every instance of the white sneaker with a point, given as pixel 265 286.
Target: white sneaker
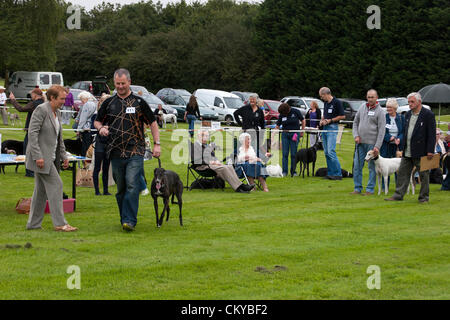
pixel 145 192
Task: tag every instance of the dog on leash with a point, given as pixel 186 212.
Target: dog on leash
pixel 169 117
pixel 166 183
pixel 384 167
pixel 305 157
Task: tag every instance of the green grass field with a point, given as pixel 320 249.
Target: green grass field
pixel 305 239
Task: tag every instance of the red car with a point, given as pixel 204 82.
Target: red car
pixel 271 110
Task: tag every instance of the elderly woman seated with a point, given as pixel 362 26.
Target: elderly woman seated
pixel 248 162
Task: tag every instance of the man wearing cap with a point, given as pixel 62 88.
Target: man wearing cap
pixel 37 98
pixel 2 105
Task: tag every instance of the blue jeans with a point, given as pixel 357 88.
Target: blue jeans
pixel 191 121
pixel 142 183
pixel 289 146
pixel 358 161
pixel 127 173
pixel 329 149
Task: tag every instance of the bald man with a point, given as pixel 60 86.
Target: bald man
pixel 369 127
pixel 333 112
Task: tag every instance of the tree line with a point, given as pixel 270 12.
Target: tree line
pixel 275 48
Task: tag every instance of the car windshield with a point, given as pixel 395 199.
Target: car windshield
pixel 233 103
pixel 274 105
pixel 319 102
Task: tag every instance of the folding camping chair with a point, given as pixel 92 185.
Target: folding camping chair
pixel 199 175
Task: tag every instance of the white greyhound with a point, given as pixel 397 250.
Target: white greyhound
pixel 384 167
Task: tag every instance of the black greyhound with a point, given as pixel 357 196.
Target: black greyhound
pixel 305 157
pixel 166 183
pixel 12 147
pixel 73 146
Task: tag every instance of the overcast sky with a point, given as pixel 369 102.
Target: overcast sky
pixel 89 4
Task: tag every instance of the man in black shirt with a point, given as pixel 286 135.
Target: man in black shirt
pixel 333 112
pixel 252 123
pixel 122 119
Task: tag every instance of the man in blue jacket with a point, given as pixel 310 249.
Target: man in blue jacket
pixel 419 141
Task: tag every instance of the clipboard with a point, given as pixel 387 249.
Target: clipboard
pixel 426 164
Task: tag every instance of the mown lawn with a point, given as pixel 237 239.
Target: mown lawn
pixel 305 239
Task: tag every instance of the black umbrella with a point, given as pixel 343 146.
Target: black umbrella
pixel 436 93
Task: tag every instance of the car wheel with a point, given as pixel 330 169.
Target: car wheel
pixel 228 120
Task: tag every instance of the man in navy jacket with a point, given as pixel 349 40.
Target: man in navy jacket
pixel 419 140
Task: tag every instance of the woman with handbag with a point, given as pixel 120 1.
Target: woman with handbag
pixel 45 150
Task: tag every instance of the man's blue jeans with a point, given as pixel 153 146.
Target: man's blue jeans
pixel 289 146
pixel 329 148
pixel 127 173
pixel 358 165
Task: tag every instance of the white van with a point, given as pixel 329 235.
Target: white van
pixel 221 102
pixel 22 82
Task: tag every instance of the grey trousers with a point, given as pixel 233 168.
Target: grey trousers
pixel 47 186
pixel 404 176
pixel 4 115
pixel 225 172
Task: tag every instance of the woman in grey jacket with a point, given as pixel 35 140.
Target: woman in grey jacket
pixel 44 152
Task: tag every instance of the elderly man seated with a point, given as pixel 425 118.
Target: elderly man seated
pixel 204 159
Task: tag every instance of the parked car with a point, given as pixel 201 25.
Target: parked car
pixel 139 89
pixel 221 102
pixel 179 98
pixel 351 106
pixel 77 101
pixel 271 110
pixel 22 82
pixel 167 92
pixel 403 106
pixel 302 103
pixel 243 95
pixel 152 100
pixel 97 87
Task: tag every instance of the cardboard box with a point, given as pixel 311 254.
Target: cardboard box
pixel 68 206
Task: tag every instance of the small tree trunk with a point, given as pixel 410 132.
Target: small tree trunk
pixel 6 79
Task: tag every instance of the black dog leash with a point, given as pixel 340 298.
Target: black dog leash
pixel 159 162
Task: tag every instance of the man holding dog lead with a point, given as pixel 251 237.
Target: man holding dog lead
pixel 121 118
pixel 368 130
pixel 420 132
